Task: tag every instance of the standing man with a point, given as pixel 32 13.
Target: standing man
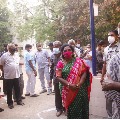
pixel 109 52
pixel 78 45
pixel 99 56
pixel 21 81
pixel 10 64
pixel 77 51
pixel 58 98
pixel 51 63
pixel 43 60
pixel 31 72
pixel 113 86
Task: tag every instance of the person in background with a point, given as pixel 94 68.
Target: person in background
pixel 56 58
pixel 21 81
pixel 77 51
pixel 88 56
pixel 51 65
pixel 78 45
pixel 74 77
pixel 99 56
pixel 10 64
pixel 113 85
pixel 109 52
pixel 43 60
pixel 4 81
pixel 31 72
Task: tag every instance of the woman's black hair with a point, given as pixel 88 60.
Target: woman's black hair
pixel 115 32
pixel 65 45
pixel 28 46
pixel 101 42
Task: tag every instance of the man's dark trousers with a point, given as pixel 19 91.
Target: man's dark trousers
pixel 13 83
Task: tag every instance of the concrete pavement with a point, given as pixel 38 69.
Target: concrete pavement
pixel 42 107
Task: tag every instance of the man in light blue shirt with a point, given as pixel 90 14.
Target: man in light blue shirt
pixel 30 71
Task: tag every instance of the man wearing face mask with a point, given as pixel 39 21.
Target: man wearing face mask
pixel 109 52
pixel 76 50
pixel 56 58
pixel 43 60
pixel 10 63
pixel 31 72
pixel 88 56
pixel 78 45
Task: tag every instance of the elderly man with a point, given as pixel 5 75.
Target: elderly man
pixel 56 57
pixel 77 51
pixel 10 64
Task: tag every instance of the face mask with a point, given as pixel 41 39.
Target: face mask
pixel 78 45
pixel 111 39
pixel 67 54
pixel 88 49
pixel 56 50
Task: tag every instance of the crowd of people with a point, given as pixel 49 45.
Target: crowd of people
pixel 67 68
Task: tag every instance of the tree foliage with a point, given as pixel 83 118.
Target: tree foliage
pixel 5 35
pixel 66 19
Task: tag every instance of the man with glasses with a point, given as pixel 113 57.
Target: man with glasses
pixel 109 52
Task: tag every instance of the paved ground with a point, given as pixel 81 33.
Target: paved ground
pixel 43 107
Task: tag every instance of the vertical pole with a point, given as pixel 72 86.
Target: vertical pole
pixel 93 38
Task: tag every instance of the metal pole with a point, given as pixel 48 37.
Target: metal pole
pixel 93 38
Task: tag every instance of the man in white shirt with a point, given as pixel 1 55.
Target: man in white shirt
pixel 10 64
pixel 109 52
pixel 77 51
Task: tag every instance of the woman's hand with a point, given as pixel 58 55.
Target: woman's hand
pixel 73 87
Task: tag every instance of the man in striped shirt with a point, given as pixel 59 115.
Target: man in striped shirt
pixel 109 52
pixel 113 87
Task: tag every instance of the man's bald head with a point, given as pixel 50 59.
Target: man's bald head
pixel 11 48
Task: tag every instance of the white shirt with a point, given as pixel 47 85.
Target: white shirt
pixel 10 65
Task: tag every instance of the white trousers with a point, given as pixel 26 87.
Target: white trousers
pixel 30 88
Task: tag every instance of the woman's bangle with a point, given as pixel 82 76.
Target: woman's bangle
pixel 68 85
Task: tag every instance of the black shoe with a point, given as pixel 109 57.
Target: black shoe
pixel 11 106
pixel 22 97
pixel 27 94
pixel 35 95
pixel 1 109
pixel 59 113
pixel 20 103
